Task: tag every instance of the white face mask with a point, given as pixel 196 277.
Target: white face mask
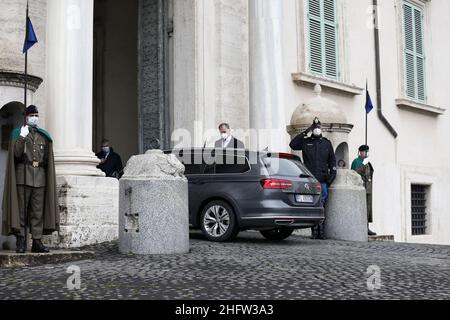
pixel 224 136
pixel 317 132
pixel 33 121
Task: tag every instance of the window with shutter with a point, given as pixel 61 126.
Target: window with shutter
pixel 323 38
pixel 414 52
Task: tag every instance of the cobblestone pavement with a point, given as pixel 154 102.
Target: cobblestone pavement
pixel 249 268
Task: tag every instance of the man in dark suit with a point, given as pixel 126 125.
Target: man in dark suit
pixel 110 161
pixel 228 141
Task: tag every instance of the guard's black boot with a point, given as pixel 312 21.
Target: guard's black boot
pixel 371 233
pixel 20 244
pixel 315 232
pixel 38 247
pixel 322 232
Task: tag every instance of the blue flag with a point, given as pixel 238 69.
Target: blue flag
pixel 369 105
pixel 30 37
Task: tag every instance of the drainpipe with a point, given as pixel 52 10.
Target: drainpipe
pixel 378 75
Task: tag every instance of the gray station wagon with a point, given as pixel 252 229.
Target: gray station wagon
pixel 233 190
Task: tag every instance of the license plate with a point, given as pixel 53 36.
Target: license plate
pixel 304 198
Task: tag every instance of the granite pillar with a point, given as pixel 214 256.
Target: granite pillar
pixel 346 212
pixel 154 213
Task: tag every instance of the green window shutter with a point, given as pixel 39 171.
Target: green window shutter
pixel 330 26
pixel 414 52
pixel 315 37
pixel 323 44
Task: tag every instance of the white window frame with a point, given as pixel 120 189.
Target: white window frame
pixel 308 44
pixel 411 176
pixel 423 6
pixel 303 32
pixel 303 75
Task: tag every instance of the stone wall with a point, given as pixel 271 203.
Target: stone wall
pixel 211 68
pixel 88 209
pixel 232 63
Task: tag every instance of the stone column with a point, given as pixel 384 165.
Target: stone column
pixel 69 80
pixel 266 74
pixel 346 216
pixel 88 202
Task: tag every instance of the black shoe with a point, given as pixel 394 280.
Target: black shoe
pixel 315 233
pixel 38 247
pixel 322 232
pixel 20 244
pixel 322 237
pixel 371 233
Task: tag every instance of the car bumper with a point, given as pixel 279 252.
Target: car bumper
pixel 292 218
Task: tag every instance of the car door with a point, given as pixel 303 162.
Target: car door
pixel 229 179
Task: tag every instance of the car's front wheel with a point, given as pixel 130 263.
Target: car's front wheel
pixel 218 222
pixel 277 234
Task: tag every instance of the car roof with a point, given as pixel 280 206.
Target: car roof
pixel 211 150
pixel 230 151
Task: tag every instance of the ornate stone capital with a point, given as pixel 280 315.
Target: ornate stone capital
pixel 326 127
pixel 14 79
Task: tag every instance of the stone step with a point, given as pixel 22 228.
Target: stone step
pixel 11 259
pixel 381 238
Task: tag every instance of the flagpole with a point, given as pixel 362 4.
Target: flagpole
pixel 24 143
pixel 26 66
pixel 366 115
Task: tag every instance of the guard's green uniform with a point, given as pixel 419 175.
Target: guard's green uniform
pixel 366 173
pixel 30 154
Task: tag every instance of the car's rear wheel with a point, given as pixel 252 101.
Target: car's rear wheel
pixel 218 222
pixel 277 234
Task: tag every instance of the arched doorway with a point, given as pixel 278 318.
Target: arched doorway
pixel 10 118
pixel 342 156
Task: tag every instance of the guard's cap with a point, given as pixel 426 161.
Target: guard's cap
pixel 31 110
pixel 316 123
pixel 364 148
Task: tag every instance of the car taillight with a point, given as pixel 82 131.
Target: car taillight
pixel 276 184
pixel 286 156
pixel 319 187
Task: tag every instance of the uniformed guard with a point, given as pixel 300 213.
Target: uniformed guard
pixel 30 183
pixel 365 169
pixel 319 158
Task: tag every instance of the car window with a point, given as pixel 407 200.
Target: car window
pixel 193 169
pixel 284 167
pixel 228 165
pixel 209 169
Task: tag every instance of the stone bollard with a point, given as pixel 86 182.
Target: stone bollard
pixel 346 213
pixel 153 206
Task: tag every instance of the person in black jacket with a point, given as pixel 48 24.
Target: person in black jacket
pixel 110 162
pixel 319 158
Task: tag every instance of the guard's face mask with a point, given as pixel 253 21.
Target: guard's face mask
pixel 224 135
pixel 106 149
pixel 33 121
pixel 317 132
pixel 364 154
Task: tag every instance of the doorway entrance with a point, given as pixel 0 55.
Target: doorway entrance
pixel 131 100
pixel 10 117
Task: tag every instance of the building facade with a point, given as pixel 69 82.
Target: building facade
pixel 143 71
